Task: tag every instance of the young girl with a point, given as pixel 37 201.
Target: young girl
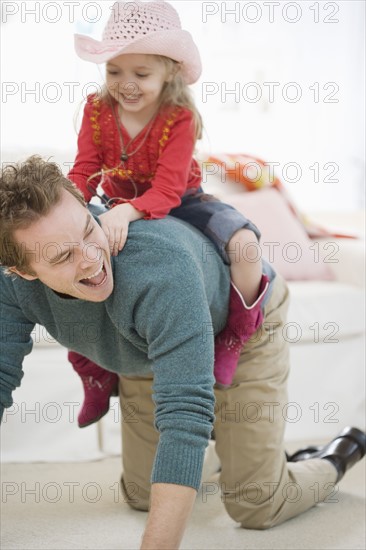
pixel 137 141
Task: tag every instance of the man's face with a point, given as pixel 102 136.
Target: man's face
pixel 69 251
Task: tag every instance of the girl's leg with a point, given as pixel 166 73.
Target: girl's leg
pixel 247 292
pixel 236 240
pixel 99 385
pixel 246 266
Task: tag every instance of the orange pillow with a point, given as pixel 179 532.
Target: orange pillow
pixel 252 172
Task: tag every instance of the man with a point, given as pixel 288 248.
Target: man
pixel 158 305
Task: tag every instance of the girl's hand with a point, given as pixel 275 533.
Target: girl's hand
pixel 115 224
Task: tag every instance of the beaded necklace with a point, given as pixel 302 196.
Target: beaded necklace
pixel 123 158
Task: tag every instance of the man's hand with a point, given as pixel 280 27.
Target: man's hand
pixel 115 224
pixel 171 506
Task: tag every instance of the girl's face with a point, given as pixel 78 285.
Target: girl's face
pixel 136 82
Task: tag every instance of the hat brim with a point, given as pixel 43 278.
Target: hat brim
pixel 177 45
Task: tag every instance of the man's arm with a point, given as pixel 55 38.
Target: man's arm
pixel 183 395
pixel 171 315
pixel 171 507
pixel 15 342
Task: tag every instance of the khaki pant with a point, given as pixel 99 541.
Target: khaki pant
pixel 259 488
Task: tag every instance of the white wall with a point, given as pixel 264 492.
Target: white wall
pixel 310 44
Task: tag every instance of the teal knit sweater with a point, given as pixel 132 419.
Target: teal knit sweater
pixel 170 298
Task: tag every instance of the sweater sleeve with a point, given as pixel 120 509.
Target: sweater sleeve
pixel 173 317
pixel 88 159
pixel 172 171
pixel 15 344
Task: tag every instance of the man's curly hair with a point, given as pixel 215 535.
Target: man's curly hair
pixel 28 191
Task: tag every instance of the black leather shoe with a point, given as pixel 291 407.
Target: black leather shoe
pixel 343 452
pixel 308 450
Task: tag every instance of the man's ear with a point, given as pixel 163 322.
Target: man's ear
pixel 22 274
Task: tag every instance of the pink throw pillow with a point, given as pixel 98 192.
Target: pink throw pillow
pixel 284 242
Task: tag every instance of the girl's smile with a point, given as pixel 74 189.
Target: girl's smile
pixel 136 81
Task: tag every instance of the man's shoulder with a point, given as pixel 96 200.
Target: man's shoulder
pixel 167 237
pixel 15 289
pixel 165 246
pixel 8 281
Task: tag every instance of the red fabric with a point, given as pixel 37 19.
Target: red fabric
pixel 163 169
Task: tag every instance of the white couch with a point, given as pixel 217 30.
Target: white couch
pixel 326 329
pixel 327 379
pixel 325 326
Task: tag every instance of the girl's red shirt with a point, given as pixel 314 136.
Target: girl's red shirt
pixel 162 168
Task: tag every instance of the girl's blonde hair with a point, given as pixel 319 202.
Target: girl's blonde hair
pixel 175 92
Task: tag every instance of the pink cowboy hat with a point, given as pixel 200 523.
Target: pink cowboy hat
pixel 143 28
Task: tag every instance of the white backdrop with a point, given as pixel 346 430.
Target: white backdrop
pixel 281 80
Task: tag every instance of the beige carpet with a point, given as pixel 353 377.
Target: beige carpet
pixel 79 506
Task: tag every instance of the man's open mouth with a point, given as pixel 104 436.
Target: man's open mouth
pixel 97 278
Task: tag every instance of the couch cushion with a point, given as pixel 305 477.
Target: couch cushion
pixel 324 311
pixel 284 242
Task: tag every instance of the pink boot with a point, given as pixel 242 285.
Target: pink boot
pixel 99 386
pixel 241 324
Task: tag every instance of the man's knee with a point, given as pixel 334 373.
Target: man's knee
pixel 252 515
pixel 135 496
pixel 253 518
